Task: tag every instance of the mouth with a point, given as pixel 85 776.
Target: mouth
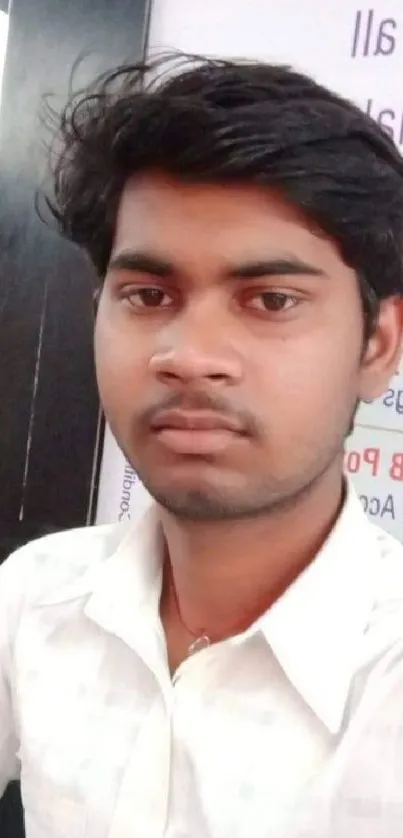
pixel 196 432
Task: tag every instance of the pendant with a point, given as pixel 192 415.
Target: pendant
pixel 200 643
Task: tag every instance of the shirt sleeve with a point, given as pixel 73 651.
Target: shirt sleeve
pixel 13 575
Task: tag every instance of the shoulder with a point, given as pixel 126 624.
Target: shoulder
pixel 384 631
pixel 390 567
pixel 55 561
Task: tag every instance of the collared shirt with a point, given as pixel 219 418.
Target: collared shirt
pixel 293 729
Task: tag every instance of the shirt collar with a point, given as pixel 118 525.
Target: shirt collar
pixel 121 587
pixel 123 564
pixel 316 628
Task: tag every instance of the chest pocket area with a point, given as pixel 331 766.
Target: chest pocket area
pixel 49 813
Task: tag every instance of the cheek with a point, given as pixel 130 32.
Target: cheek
pixel 310 379
pixel 121 362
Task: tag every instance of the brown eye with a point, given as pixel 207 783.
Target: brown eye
pixel 148 297
pixel 275 301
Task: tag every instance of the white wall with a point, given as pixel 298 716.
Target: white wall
pixel 358 52
pixel 3 41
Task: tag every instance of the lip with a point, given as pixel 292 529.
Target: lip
pixel 195 420
pixel 196 442
pixel 196 433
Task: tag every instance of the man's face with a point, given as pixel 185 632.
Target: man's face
pixel 229 347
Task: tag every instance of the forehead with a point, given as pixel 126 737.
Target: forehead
pixel 231 221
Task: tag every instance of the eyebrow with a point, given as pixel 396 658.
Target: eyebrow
pixel 289 266
pixel 139 262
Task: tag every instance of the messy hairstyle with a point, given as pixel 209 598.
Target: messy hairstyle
pixel 208 120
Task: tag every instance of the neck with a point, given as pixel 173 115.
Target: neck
pixel 226 574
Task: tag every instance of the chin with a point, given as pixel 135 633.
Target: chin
pixel 202 501
pixel 198 506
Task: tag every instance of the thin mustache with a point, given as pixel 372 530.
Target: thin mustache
pixel 200 401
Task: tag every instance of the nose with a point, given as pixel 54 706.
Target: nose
pixel 195 352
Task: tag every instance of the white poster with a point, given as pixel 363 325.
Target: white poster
pixel 357 51
pixel 121 496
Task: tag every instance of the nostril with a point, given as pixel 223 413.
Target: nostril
pixel 194 366
pixel 171 378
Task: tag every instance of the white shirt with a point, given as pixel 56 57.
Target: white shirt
pixel 292 730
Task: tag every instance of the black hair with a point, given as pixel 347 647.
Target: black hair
pixel 209 120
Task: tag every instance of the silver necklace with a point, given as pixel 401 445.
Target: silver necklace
pixel 201 639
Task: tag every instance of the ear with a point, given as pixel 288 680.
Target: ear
pixel 383 351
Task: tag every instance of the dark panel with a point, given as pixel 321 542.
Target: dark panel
pixel 49 408
pixel 11 817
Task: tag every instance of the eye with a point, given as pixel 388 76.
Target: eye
pixel 274 301
pixel 147 297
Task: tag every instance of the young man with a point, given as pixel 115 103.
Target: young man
pixel 233 665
